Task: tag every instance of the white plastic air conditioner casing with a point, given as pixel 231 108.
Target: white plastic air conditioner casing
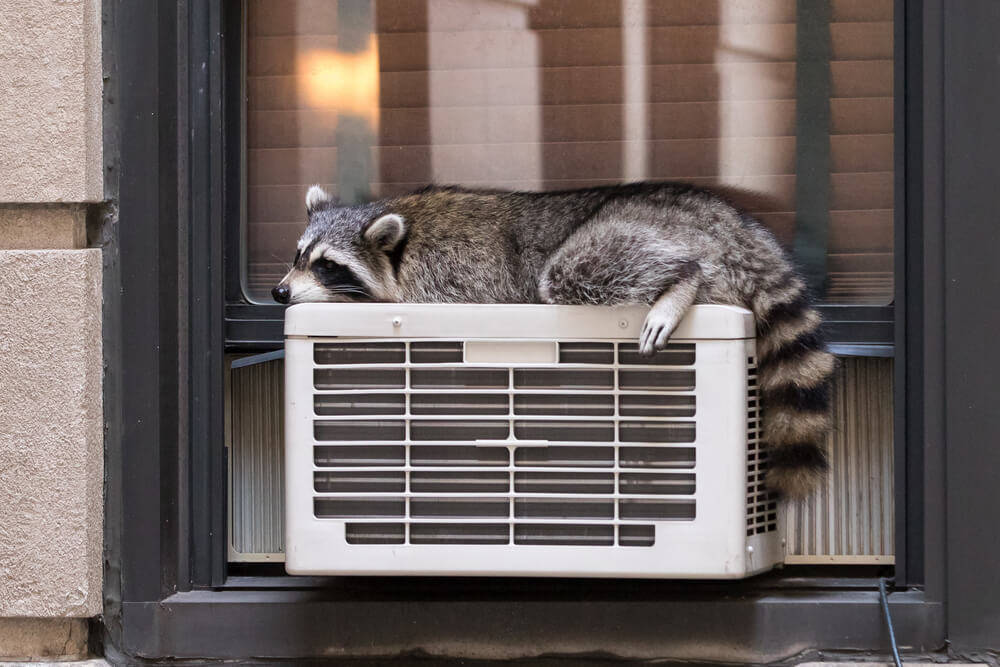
pixel 522 440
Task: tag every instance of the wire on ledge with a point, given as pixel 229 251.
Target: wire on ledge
pixel 888 622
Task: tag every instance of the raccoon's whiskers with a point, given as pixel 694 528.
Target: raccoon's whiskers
pixel 350 290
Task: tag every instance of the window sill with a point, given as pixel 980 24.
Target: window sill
pixel 638 622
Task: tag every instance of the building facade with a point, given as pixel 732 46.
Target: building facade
pixel 152 160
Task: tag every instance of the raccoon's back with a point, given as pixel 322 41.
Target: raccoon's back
pixel 484 246
pixel 449 261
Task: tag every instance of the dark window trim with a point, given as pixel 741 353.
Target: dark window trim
pixel 165 585
pixel 854 331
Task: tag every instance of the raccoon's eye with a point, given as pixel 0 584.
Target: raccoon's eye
pixel 328 264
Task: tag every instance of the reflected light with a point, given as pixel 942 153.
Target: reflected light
pixel 343 82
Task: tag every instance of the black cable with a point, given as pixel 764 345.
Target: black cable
pixel 888 622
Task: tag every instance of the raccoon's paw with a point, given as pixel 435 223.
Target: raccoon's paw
pixel 544 293
pixel 656 330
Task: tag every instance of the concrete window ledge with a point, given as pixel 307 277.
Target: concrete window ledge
pixel 60 639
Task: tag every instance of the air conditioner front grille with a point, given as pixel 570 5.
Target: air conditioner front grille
pixel 414 446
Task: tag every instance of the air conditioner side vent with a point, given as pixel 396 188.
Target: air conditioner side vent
pixel 762 505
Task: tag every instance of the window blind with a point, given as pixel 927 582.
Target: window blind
pixel 552 94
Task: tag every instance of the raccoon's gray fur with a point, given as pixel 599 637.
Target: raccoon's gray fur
pixel 663 244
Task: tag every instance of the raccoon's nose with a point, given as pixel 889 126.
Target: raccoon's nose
pixel 281 294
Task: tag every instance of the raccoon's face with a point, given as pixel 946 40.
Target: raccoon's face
pixel 345 253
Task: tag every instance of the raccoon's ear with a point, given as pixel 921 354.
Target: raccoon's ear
pixel 317 198
pixel 385 233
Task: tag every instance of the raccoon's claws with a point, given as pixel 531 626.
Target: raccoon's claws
pixel 656 332
pixel 665 315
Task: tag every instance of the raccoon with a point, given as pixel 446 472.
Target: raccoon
pixel 666 245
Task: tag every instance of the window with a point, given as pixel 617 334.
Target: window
pixel 790 114
pixel 787 112
pixel 167 587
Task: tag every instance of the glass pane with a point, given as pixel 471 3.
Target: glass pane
pixel 789 115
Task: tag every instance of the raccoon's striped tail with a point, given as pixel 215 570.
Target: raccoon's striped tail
pixel 795 374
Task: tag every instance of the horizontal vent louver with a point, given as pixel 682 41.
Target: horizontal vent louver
pixel 359 482
pixel 459 404
pixel 459 482
pixel 656 405
pixel 570 405
pixel 359 455
pixel 459 508
pixel 458 455
pixel 360 430
pixel 459 533
pixel 564 482
pixel 581 535
pixel 656 432
pixel 582 431
pixel 458 378
pixel 459 430
pixel 375 533
pixel 353 378
pixel 657 509
pixel 656 457
pixel 564 508
pixel 677 484
pixel 434 352
pixel 586 353
pixel 355 353
pixel 563 378
pixel 656 379
pixel 677 354
pixel 566 456
pixel 354 508
pixel 359 404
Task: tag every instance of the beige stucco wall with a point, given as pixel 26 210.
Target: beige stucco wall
pixel 50 105
pixel 51 421
pixel 51 444
pixel 51 439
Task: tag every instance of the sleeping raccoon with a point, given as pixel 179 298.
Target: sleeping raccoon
pixel 662 244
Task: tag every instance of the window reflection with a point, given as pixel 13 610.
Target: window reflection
pixel 377 98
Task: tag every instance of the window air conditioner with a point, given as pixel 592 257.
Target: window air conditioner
pixel 523 440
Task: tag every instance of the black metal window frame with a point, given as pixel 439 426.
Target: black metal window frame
pixel 167 591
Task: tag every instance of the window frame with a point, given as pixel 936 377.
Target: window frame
pixel 167 328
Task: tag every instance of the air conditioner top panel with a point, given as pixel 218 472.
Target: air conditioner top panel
pixel 525 321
